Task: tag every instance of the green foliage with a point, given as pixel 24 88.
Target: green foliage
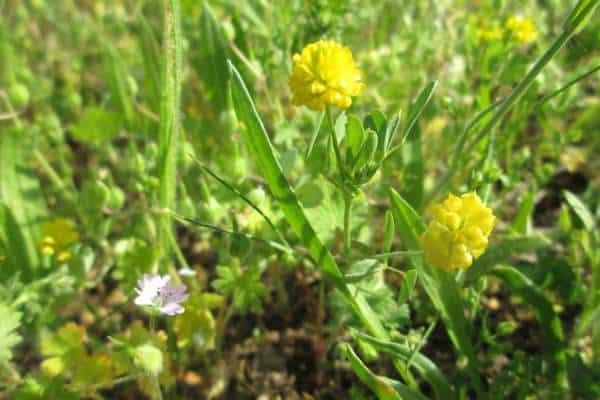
pixel 295 230
pixel 197 325
pixel 213 59
pixel 243 285
pixel 133 258
pixel 9 337
pixel 66 356
pixel 22 204
pixel 421 363
pixel 97 126
pixel 369 279
pixel 44 388
pixel 551 324
pixel 386 389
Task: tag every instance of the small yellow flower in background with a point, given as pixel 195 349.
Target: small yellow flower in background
pixel 522 29
pixel 57 235
pixel 325 73
pixel 2 258
pixel 490 34
pixel 458 233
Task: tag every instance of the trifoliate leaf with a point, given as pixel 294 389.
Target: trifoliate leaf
pixel 95 369
pixel 243 284
pixel 96 126
pixel 196 325
pixel 64 349
pixel 368 277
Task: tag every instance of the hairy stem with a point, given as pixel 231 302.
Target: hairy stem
pixel 168 138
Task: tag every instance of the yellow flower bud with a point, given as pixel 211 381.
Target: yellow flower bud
pixel 325 73
pixel 459 231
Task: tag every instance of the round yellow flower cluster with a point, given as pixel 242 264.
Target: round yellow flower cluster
pixel 325 73
pixel 522 29
pixel 459 231
pixel 57 235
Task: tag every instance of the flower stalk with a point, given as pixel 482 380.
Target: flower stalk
pixel 574 22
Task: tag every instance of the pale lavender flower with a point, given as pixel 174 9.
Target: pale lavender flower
pixel 157 292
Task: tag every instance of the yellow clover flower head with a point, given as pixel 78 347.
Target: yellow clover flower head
pixel 458 233
pixel 57 235
pixel 325 73
pixel 522 29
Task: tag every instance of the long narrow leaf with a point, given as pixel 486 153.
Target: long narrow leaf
pixel 23 205
pixel 412 170
pixel 416 109
pixel 213 59
pixel 426 368
pixel 580 209
pixel 245 198
pixel 384 388
pixel 256 138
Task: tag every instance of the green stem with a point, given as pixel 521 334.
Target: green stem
pixel 52 174
pixel 336 146
pixel 157 390
pixel 223 318
pixel 168 138
pixel 245 198
pixel 567 85
pixel 347 217
pixel 506 104
pixel 521 87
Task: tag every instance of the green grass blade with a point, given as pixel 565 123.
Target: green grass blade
pixel 381 386
pixel 425 367
pixel 213 62
pixel 581 210
pixel 521 224
pixel 277 246
pixel 234 190
pixel 115 71
pixel 256 138
pixel 566 86
pixel 24 204
pixel 416 109
pixel 552 331
pixel 575 21
pixel 150 50
pixel 168 138
pixel 413 171
pixel 580 15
